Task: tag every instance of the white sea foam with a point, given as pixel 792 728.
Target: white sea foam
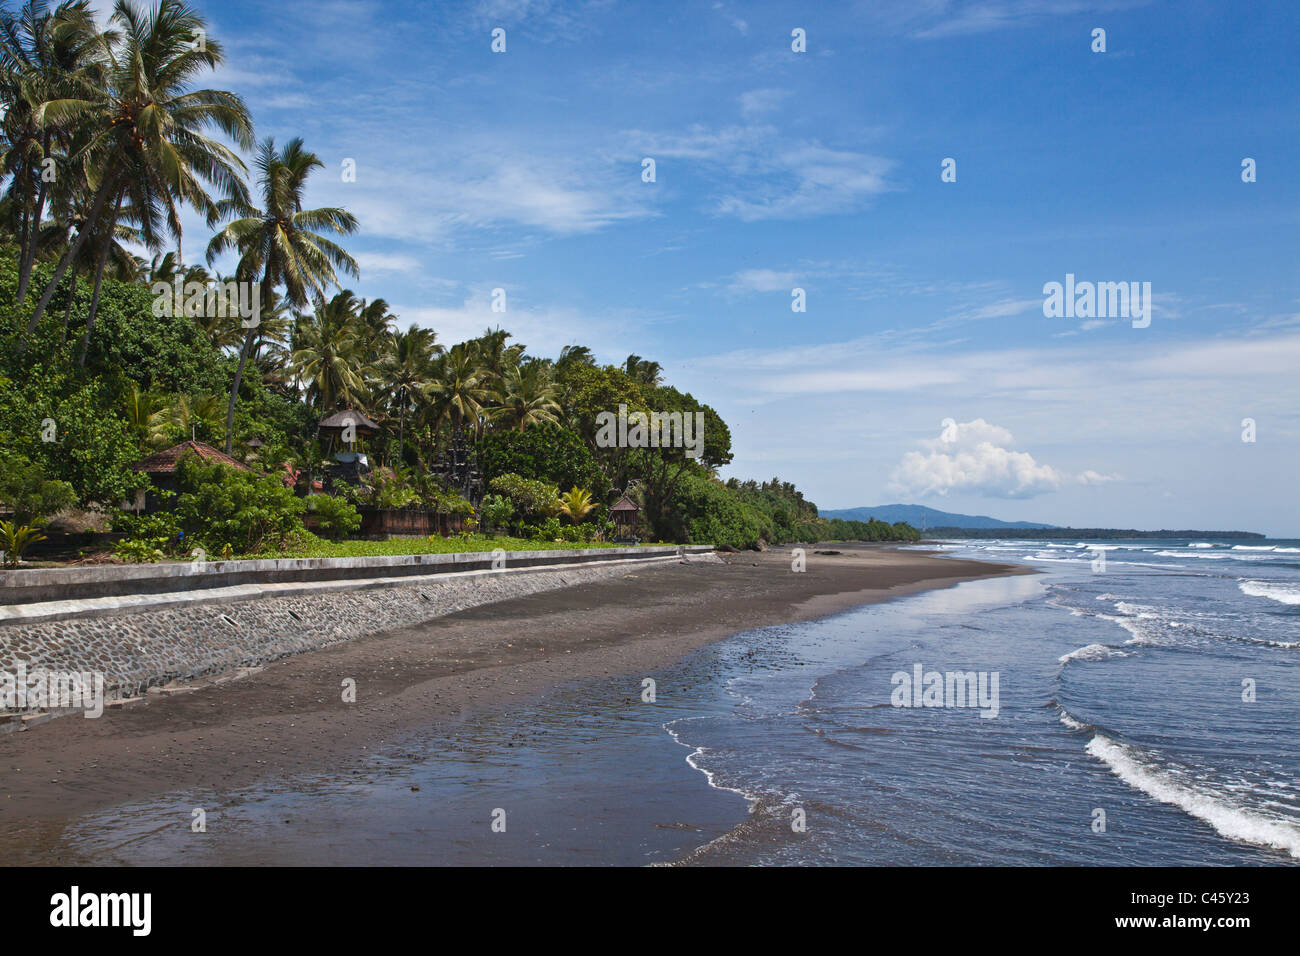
pixel 1247 547
pixel 1137 610
pixel 1143 773
pixel 1199 544
pixel 1091 652
pixel 1071 722
pixel 1281 593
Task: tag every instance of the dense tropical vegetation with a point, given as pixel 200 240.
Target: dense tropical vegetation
pixel 107 134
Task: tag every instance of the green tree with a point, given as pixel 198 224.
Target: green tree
pixel 282 243
pixel 140 132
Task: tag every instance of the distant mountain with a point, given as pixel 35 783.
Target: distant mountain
pixel 919 516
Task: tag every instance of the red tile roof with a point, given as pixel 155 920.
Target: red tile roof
pixel 164 462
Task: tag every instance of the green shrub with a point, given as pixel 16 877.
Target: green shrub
pixel 335 517
pixel 140 550
pixel 26 491
pixel 443 502
pixel 495 511
pixel 549 530
pixel 161 526
pixel 549 452
pixel 530 499
pixel 234 511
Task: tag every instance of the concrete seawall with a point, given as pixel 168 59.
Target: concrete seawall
pixel 222 618
pixel 114 580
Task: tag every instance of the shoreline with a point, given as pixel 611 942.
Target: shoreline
pixel 289 717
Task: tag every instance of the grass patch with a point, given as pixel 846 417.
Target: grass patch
pixel 312 547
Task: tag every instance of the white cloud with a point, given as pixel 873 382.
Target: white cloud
pixel 387 263
pixel 543 329
pixel 767 178
pixel 809 181
pixel 755 103
pixel 762 280
pixel 976 458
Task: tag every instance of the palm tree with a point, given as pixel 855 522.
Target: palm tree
pixel 140 130
pixel 574 355
pixel 376 323
pixel 146 416
pixel 576 504
pixel 643 371
pixel 527 398
pixel 495 356
pixel 405 370
pixel 40 54
pixel 330 353
pixel 458 391
pixel 196 416
pixel 280 243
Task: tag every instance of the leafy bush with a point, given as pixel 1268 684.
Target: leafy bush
pixel 549 530
pixel 26 491
pixel 530 499
pixel 162 527
pixel 495 511
pixel 548 452
pixel 443 502
pixel 335 517
pixel 140 550
pixel 238 511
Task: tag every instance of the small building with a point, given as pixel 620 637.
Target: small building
pixel 345 431
pixel 624 512
pixel 161 469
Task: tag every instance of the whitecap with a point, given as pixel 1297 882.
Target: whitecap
pixel 1281 593
pixel 1142 772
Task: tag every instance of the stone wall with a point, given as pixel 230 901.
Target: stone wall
pixel 152 648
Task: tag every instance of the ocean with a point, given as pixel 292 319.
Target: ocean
pixel 1148 716
pixel 1140 712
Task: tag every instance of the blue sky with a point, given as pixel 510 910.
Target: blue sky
pixel 821 170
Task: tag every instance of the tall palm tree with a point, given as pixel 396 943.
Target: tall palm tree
pixel 330 354
pixel 527 398
pixel 405 370
pixel 495 356
pixel 459 392
pixel 375 322
pixel 40 54
pixel 281 243
pixel 140 131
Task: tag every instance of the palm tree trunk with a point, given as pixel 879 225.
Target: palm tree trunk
pixel 401 430
pixel 99 280
pixel 67 311
pixel 68 256
pixel 234 389
pixel 243 357
pixel 28 257
pixel 24 242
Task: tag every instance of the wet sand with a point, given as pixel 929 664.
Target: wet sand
pixel 290 717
